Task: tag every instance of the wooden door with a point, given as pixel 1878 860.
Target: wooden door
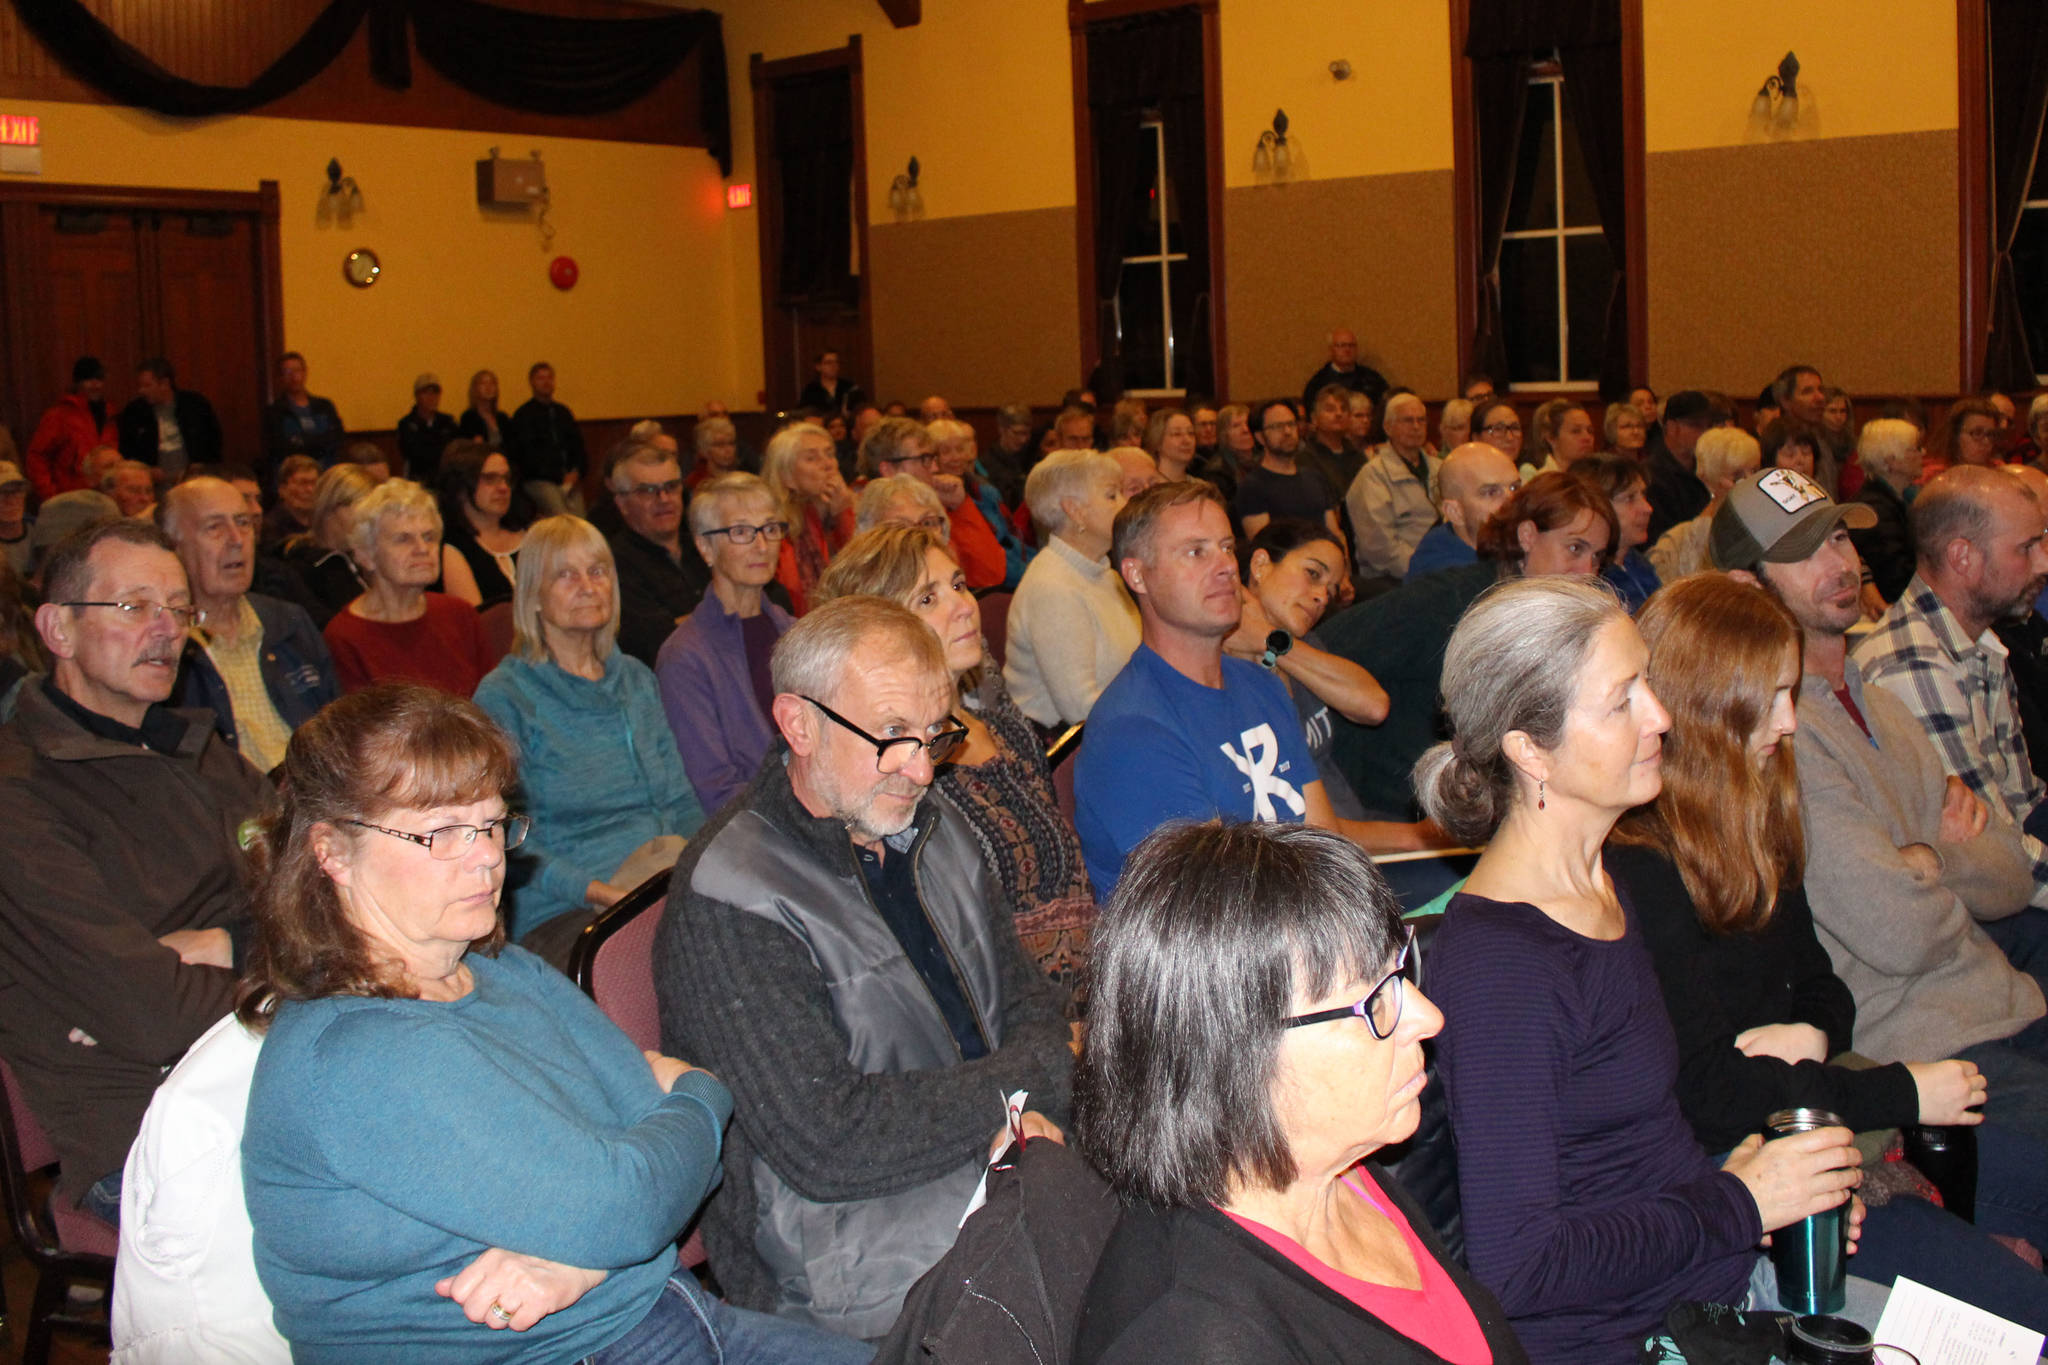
pixel 207 291
pixel 125 274
pixel 92 304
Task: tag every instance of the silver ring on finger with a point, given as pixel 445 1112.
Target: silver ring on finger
pixel 497 1311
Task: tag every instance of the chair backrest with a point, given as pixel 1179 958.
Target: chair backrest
pixel 995 625
pixel 1427 1163
pixel 496 620
pixel 613 961
pixel 24 1150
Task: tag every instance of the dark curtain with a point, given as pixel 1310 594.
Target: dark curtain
pixel 534 63
pixel 94 53
pixel 1150 62
pixel 1592 87
pixel 814 156
pixel 1502 39
pixel 2018 31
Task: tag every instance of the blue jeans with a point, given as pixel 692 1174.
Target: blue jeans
pixel 103 1200
pixel 2016 1071
pixel 1913 1238
pixel 686 1326
pixel 2024 940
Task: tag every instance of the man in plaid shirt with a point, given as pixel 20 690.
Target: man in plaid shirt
pixel 1977 535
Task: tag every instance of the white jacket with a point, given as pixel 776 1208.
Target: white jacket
pixel 185 1286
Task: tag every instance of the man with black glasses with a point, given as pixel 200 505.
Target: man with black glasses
pixel 1280 485
pixel 837 950
pixel 123 895
pixel 662 578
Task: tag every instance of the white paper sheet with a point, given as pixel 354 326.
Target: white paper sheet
pixel 1944 1331
pixel 1013 1118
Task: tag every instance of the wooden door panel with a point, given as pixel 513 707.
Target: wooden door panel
pixel 91 302
pixel 208 301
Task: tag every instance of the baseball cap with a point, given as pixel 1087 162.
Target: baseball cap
pixel 66 512
pixel 426 381
pixel 10 475
pixel 1779 516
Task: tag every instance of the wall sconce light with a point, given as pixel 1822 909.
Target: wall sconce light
pixel 1775 110
pixel 1271 154
pixel 903 195
pixel 342 200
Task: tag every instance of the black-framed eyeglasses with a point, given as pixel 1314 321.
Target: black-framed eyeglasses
pixel 145 613
pixel 450 842
pixel 1502 428
pixel 739 533
pixel 892 754
pixel 1381 1007
pixel 668 489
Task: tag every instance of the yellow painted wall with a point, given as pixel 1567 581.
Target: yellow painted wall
pixel 645 331
pixel 1874 66
pixel 1392 115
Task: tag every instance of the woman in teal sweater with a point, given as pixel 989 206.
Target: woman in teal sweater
pixel 446 1139
pixel 600 775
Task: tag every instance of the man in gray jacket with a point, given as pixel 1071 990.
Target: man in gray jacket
pixel 1901 861
pixel 837 950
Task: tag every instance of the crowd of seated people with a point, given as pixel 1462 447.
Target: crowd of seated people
pixel 1722 853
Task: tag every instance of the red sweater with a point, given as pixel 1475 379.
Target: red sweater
pixel 66 435
pixel 445 648
pixel 976 547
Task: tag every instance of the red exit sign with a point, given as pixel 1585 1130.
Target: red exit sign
pixel 20 130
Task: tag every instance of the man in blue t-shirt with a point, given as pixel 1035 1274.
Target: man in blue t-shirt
pixel 1184 732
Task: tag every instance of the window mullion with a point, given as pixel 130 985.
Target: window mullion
pixel 1564 321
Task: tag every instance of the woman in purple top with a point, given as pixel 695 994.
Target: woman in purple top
pixel 1589 1207
pixel 714 669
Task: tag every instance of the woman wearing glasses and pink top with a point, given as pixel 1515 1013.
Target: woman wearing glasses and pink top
pixel 714 669
pixel 1251 1045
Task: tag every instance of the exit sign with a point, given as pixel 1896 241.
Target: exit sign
pixel 21 144
pixel 739 196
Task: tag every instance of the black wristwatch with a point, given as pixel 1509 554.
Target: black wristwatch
pixel 1277 643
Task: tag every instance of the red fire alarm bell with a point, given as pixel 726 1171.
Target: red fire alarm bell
pixel 562 270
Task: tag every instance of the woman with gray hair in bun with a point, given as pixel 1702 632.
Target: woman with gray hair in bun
pixel 398 629
pixel 1589 1207
pixel 1072 627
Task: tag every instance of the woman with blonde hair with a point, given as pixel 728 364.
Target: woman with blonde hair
pixel 998 778
pixel 321 555
pixel 1236 452
pixel 397 628
pixel 1722 459
pixel 481 420
pixel 599 773
pixel 801 469
pixel 1714 867
pixel 1170 441
pixel 1626 434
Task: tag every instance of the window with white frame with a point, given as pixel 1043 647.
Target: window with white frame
pixel 1154 293
pixel 1555 266
pixel 2030 267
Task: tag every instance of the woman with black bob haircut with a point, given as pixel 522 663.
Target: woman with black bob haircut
pixel 1252 1043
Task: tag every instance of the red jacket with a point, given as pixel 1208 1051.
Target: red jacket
pixel 66 435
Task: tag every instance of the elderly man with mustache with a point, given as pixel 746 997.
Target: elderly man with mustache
pixel 123 898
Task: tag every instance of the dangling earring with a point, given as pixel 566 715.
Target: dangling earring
pixel 1540 784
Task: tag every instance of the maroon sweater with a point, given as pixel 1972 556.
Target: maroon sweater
pixel 445 647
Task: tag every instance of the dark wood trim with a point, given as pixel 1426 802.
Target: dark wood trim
pixel 270 285
pixel 1464 193
pixel 135 197
pixel 1212 106
pixel 768 187
pixel 1973 188
pixel 1635 232
pixel 857 80
pixel 903 13
pixel 1084 187
pixel 1080 14
pixel 21 288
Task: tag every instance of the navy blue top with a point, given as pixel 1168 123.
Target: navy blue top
pixel 1589 1206
pixel 1439 549
pixel 1160 746
pixel 1633 578
pixel 894 888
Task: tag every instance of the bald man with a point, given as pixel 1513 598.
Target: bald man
pixel 258 663
pixel 1472 482
pixel 1389 499
pixel 1343 368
